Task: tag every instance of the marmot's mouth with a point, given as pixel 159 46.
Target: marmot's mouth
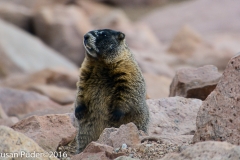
pixel 89 49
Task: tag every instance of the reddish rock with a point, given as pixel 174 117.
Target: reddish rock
pixel 126 134
pixel 195 82
pixel 157 86
pixel 103 16
pixel 104 138
pixel 48 131
pixel 96 151
pixel 203 10
pixel 57 94
pixel 173 119
pixel 15 142
pixel 185 42
pixel 34 56
pixel 207 150
pixel 218 116
pixel 16 14
pixel 19 103
pixel 52 76
pixel 62 28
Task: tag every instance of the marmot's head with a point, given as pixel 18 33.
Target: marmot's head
pixel 104 44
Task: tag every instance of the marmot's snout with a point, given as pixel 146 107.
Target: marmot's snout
pixel 89 43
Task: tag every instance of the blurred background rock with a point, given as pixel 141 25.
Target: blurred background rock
pixel 41 40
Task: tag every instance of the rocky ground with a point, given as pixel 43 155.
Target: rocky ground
pixel 189 61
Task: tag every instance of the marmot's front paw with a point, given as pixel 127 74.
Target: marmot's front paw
pixel 117 115
pixel 80 110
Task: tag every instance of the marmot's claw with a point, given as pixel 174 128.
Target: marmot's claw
pixel 79 111
pixel 117 115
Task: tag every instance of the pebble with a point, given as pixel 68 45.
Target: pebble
pixel 124 146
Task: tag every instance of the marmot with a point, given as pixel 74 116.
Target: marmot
pixel 111 88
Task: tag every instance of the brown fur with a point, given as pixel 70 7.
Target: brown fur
pixel 111 92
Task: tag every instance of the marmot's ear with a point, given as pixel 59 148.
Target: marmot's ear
pixel 121 36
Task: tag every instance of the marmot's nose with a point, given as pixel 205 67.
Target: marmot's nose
pixel 86 37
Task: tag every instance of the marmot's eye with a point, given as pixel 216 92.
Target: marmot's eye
pixel 121 36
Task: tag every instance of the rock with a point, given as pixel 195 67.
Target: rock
pixel 96 151
pixel 127 134
pixel 19 103
pixel 201 9
pixel 62 28
pixel 15 142
pixel 60 77
pixel 218 116
pixel 16 14
pixel 195 82
pixel 157 86
pixel 103 16
pixel 9 121
pixel 67 109
pixel 57 94
pixel 18 56
pixel 207 150
pixel 185 42
pixel 104 138
pixel 173 117
pixel 48 131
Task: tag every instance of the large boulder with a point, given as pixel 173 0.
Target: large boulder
pixel 19 103
pixel 24 147
pixel 62 28
pixel 174 115
pixel 49 131
pixel 207 150
pixel 195 82
pixel 218 116
pixel 173 119
pixel 21 52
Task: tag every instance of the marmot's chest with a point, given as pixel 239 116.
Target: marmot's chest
pixel 98 90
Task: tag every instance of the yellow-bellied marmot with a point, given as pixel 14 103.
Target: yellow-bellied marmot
pixel 111 88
